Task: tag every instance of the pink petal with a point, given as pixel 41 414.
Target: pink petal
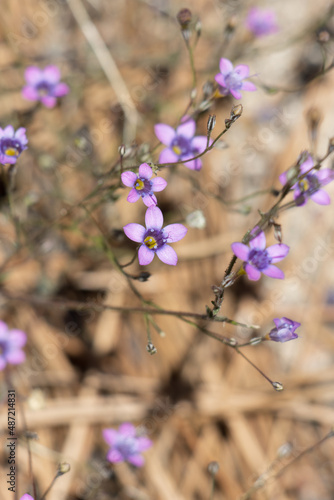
pixel 61 89
pixel 9 131
pixel 49 102
pixel 175 232
pixel 109 435
pixel 225 66
pixel 135 232
pixel 154 218
pixel 144 443
pixel 114 456
pixel 133 196
pixel 252 273
pixel 129 178
pixel 325 176
pixel 187 129
pixel 145 255
pixel 273 272
pixel 18 338
pixel 158 184
pixel 307 165
pixel 51 74
pixel 167 255
pixel 127 429
pixel 249 86
pixel 26 496
pixel 321 197
pixel 164 133
pixel 145 171
pixel 33 75
pixel 240 250
pixel 168 156
pixel 150 200
pixel 242 70
pixel 199 143
pixel 278 252
pixel 2 362
pixel 21 135
pixel 3 329
pixel 220 79
pixel 136 460
pixel 194 164
pixel 259 241
pixel 283 178
pixel 16 357
pixel 236 94
pixel 30 93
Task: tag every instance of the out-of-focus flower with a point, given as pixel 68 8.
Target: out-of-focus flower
pixel 310 186
pixel 261 21
pixel 11 342
pixel 231 80
pixel 154 239
pixel 125 445
pixel 142 185
pixel 196 219
pixel 259 259
pixel 26 496
pixel 182 144
pixel 284 331
pixel 44 85
pixel 12 144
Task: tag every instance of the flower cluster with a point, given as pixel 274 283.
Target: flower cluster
pixel 231 80
pixel 11 342
pixel 44 85
pixel 309 185
pixel 126 445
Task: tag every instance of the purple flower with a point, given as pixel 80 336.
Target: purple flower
pixel 11 342
pixel 142 186
pixel 261 21
pixel 26 496
pixel 259 259
pixel 12 144
pixel 44 85
pixel 154 239
pixel 231 80
pixel 284 331
pixel 125 445
pixel 181 144
pixel 310 186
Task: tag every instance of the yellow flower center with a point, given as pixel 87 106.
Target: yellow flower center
pixel 11 152
pixel 139 185
pixel 177 150
pixel 150 242
pixel 304 185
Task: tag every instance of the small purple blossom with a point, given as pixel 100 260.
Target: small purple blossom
pixel 142 185
pixel 26 496
pixel 44 85
pixel 154 239
pixel 284 331
pixel 126 445
pixel 12 144
pixel 310 186
pixel 182 144
pixel 231 79
pixel 257 258
pixel 261 21
pixel 11 342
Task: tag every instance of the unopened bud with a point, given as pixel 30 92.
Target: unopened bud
pixel 277 386
pixel 324 36
pixel 184 18
pixel 196 219
pixel 151 349
pixel 144 276
pixel 213 468
pixel 236 111
pixel 211 123
pixel 284 450
pixel 331 145
pixel 121 150
pixel 278 232
pixel 63 468
pixel 256 340
pixel 198 28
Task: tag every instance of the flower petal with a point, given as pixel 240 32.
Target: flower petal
pixel 9 131
pixel 127 429
pixel 249 86
pixel 321 197
pixel 278 252
pixel 240 250
pixel 30 93
pixel 175 232
pixel 325 176
pixel 187 129
pixel 167 255
pixel 145 171
pixel 165 133
pixel 259 241
pixel 136 460
pixel 236 94
pixel 150 200
pixel 168 156
pixel 220 79
pixel 194 164
pixel 110 436
pixel 48 101
pixel 61 89
pixel 129 178
pixel 225 66
pixel 306 165
pixel 154 218
pixel 145 255
pixel 252 273
pixel 51 74
pixel 199 143
pixel 135 232
pixel 273 272
pixel 283 178
pixel 143 443
pixel 158 184
pixel 18 337
pixel 242 70
pixel 133 196
pixel 15 357
pixel 114 456
pixel 33 75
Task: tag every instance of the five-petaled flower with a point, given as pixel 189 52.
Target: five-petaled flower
pixel 261 21
pixel 142 185
pixel 310 185
pixel 230 80
pixel 284 331
pixel 44 85
pixel 259 259
pixel 182 144
pixel 126 445
pixel 12 144
pixel 154 239
pixel 11 342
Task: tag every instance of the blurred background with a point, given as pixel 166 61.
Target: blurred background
pixel 61 231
